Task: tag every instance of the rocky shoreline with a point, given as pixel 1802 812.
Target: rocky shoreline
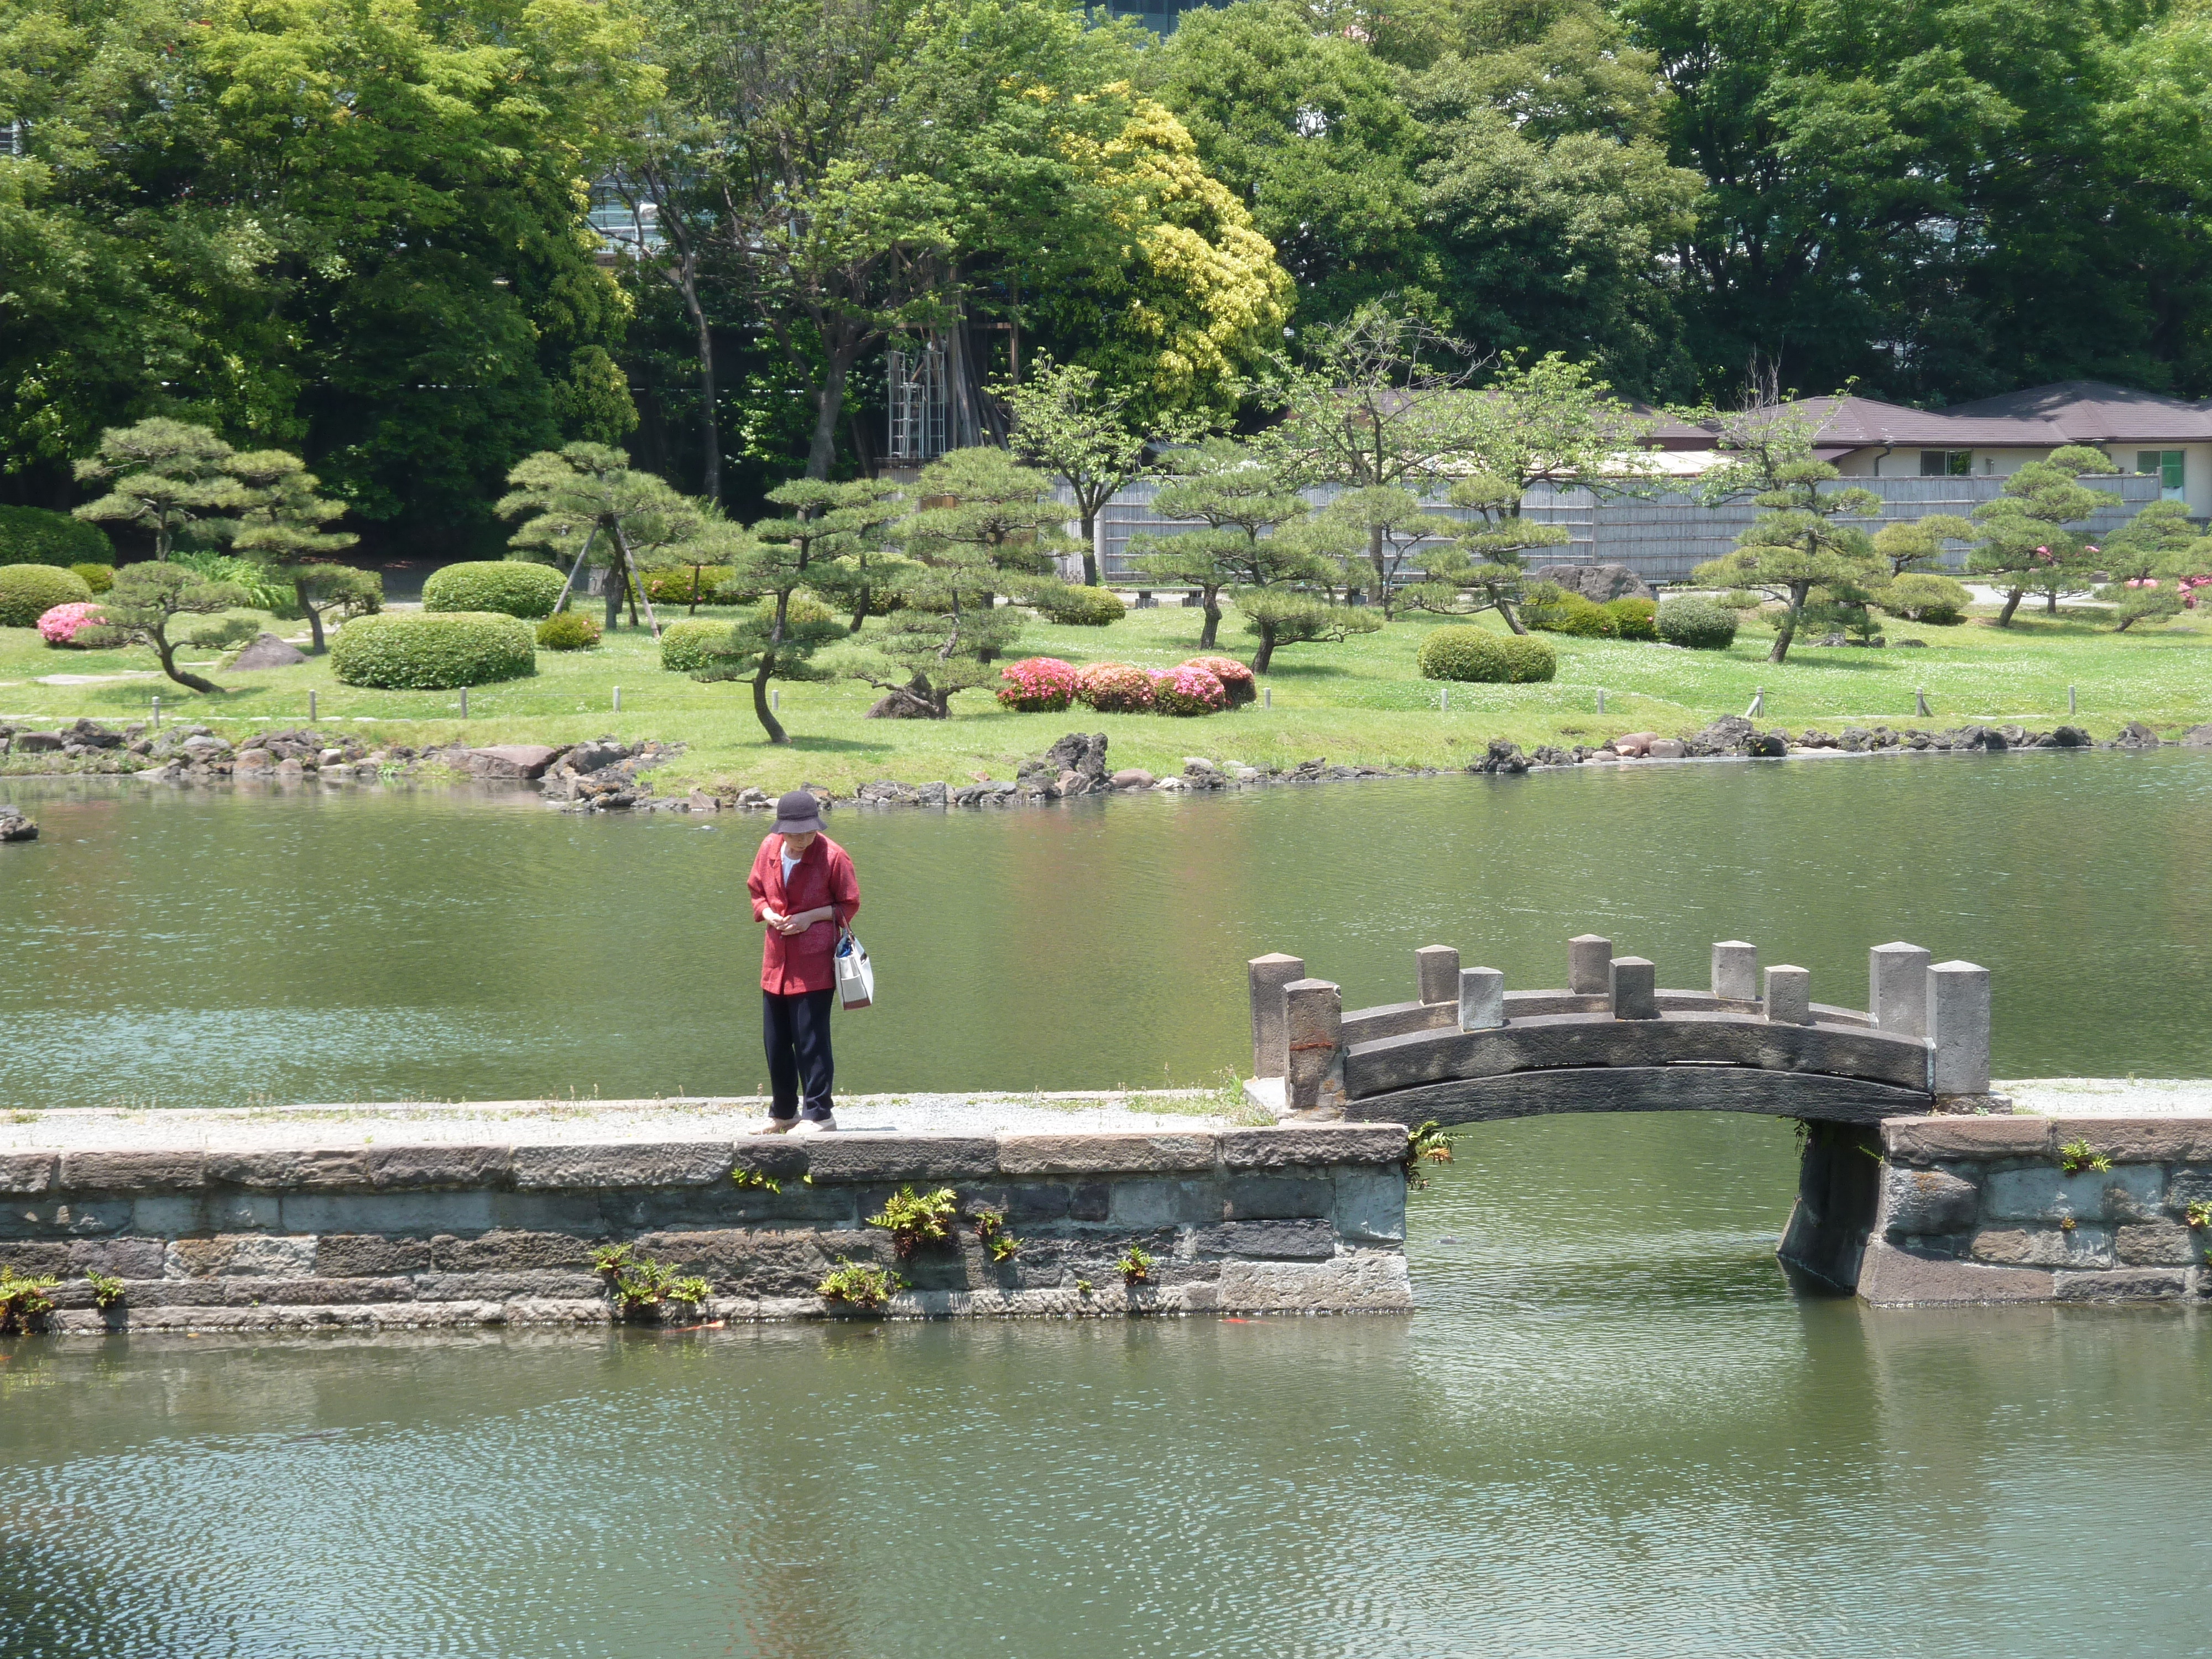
pixel 606 774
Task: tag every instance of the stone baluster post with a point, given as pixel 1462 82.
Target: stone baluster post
pixel 1313 1020
pixel 1589 972
pixel 1481 998
pixel 1437 970
pixel 1897 988
pixel 1634 988
pixel 1735 971
pixel 1788 995
pixel 1958 1029
pixel 1270 1055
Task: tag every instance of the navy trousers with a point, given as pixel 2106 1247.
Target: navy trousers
pixel 797 1031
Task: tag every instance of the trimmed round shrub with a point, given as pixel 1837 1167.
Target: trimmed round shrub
pixel 1037 685
pixel 97 577
pixel 1080 607
pixel 513 587
pixel 31 535
pixel 684 645
pixel 571 630
pixel 676 584
pixel 1697 625
pixel 1478 655
pixel 1236 678
pixel 1925 596
pixel 1632 619
pixel 1187 691
pixel 433 651
pixel 802 608
pixel 27 592
pixel 59 626
pixel 1114 688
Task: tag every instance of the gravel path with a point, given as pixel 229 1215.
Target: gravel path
pixel 507 1122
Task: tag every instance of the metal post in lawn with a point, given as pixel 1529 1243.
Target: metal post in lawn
pixel 157 713
pixel 1920 702
pixel 618 700
pixel 1757 703
pixel 2070 700
pixel 1600 699
pixel 311 707
pixel 465 702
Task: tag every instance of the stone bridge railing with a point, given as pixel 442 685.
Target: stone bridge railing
pixel 1467 1049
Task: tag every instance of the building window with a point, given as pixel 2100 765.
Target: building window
pixel 1947 463
pixel 2166 463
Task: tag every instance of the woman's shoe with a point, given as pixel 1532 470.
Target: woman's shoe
pixel 816 1126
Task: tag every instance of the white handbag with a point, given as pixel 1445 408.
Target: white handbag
pixel 856 974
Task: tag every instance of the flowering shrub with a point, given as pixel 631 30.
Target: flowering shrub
pixel 1115 688
pixel 1037 685
pixel 59 625
pixel 1236 678
pixel 1187 690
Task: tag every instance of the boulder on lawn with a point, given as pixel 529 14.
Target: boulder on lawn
pixel 268 652
pixel 1635 744
pixel 1596 582
pixel 2197 737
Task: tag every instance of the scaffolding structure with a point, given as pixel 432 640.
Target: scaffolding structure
pixel 920 404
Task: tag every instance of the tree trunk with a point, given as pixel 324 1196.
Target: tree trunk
pixel 828 403
pixel 2051 603
pixel 1266 653
pixel 167 653
pixel 1375 558
pixel 314 617
pixel 766 671
pixel 1207 635
pixel 1798 594
pixel 710 432
pixel 618 579
pixel 1091 547
pixel 1504 607
pixel 2011 604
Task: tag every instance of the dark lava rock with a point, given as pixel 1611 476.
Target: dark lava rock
pixel 1502 756
pixel 13 826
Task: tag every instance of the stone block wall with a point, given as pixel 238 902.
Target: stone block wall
pixel 1980 1209
pixel 1293 1220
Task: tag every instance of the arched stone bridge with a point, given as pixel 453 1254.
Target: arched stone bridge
pixel 1467 1049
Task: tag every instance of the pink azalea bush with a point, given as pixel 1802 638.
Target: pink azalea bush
pixel 1187 691
pixel 1236 678
pixel 1037 685
pixel 59 626
pixel 1115 688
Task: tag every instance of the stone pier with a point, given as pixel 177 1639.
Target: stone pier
pixel 1287 1219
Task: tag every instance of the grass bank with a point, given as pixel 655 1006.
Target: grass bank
pixel 1359 703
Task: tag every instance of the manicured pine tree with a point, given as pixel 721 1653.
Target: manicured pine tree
pixel 1228 487
pixel 165 476
pixel 2022 541
pixel 280 526
pixel 144 604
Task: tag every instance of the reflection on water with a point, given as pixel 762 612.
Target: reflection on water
pixel 220 948
pixel 1612 1431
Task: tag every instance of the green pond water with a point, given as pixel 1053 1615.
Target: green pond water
pixel 1612 1429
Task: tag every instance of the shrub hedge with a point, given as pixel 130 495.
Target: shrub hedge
pixel 683 644
pixel 1479 656
pixel 1187 691
pixel 1236 678
pixel 1037 685
pixel 1078 606
pixel 98 577
pixel 1114 688
pixel 572 631
pixel 1556 610
pixel 31 535
pixel 513 587
pixel 433 651
pixel 1697 624
pixel 27 592
pixel 676 584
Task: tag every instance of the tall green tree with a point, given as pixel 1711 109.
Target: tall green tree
pixel 353 232
pixel 2022 538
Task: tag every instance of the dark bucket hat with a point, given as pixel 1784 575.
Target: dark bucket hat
pixel 798 814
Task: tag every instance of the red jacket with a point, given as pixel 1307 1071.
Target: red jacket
pixel 824 875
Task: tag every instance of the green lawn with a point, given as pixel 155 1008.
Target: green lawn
pixel 1361 703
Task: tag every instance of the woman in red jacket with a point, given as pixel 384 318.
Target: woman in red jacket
pixel 805 890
